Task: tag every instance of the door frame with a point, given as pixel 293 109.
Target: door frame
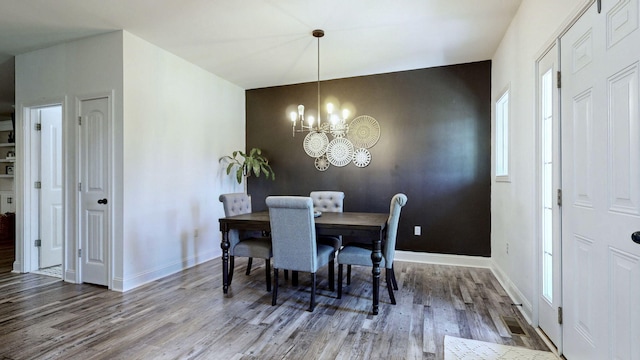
pixel 77 244
pixel 539 130
pixel 554 40
pixel 27 213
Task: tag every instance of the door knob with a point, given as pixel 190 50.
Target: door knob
pixel 102 201
pixel 636 237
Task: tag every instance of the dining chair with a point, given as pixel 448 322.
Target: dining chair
pixel 248 244
pixel 328 201
pixel 293 236
pixel 360 254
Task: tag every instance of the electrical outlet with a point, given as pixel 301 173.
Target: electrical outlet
pixel 417 230
pixel 195 233
pixel 507 248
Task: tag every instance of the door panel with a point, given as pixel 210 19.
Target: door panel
pixel 601 178
pixel 51 219
pixel 624 147
pixel 94 129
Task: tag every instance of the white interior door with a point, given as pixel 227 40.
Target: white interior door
pixel 94 190
pixel 51 214
pixel 550 296
pixel 601 183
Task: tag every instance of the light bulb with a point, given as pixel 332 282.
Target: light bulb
pixel 293 116
pixel 301 110
pixel 334 119
pixel 345 114
pixel 329 108
pixel 310 120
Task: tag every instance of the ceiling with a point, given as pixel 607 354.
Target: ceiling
pixel 262 43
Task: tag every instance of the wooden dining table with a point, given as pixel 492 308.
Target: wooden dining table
pixel 359 224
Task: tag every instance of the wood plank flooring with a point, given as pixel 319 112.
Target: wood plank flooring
pixel 186 316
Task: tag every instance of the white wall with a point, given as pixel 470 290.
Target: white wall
pixel 178 121
pixel 513 204
pixel 172 122
pixel 58 75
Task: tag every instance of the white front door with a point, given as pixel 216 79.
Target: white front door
pixel 601 183
pixel 94 187
pixel 550 296
pixel 51 214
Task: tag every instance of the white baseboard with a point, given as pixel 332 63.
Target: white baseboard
pixel 443 259
pixel 146 277
pixel 70 276
pixel 514 293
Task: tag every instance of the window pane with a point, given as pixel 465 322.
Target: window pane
pixel 502 135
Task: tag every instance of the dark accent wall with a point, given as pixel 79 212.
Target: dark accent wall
pixel 435 147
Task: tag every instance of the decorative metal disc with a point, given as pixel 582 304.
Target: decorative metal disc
pixel 325 127
pixel 339 130
pixel 340 152
pixel 364 131
pixel 322 163
pixel 361 157
pixel 315 144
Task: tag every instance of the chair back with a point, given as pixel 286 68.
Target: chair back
pixel 293 233
pixel 327 201
pixel 389 250
pixel 235 204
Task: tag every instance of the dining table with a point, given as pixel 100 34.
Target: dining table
pixel 358 224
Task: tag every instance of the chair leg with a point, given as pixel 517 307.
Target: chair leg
pixel 312 302
pixel 387 276
pixel 339 281
pixel 348 274
pixel 332 276
pixel 267 270
pixel 294 278
pixel 249 266
pixel 274 294
pixel 393 278
pixel 231 266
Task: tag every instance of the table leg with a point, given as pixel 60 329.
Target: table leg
pixel 225 260
pixel 376 257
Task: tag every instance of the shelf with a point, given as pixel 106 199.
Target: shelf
pixel 5 176
pixel 7 144
pixel 7 160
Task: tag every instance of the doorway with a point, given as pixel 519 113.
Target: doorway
pixel 44 172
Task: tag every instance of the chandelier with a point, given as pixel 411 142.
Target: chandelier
pixel 351 139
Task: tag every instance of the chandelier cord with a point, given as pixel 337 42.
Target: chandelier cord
pixel 318 82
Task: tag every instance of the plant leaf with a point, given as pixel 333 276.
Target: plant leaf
pixel 239 175
pixel 229 167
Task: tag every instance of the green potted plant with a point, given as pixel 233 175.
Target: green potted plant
pixel 247 163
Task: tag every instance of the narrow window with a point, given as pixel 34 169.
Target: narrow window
pixel 502 137
pixel 546 112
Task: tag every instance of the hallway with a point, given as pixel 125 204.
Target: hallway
pixel 7 246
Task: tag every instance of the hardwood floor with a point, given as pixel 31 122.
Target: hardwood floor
pixel 186 316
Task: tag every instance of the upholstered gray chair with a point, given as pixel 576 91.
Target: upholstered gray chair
pixel 293 236
pixel 328 201
pixel 245 243
pixel 360 254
